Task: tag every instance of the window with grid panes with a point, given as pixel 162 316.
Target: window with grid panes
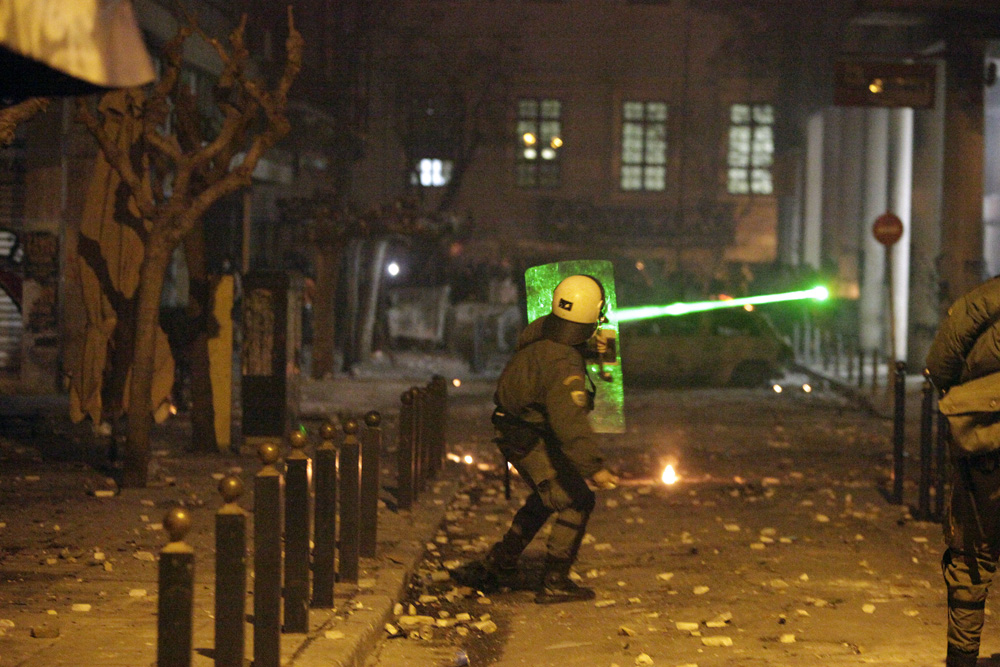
pixel 751 149
pixel 644 146
pixel 432 173
pixel 539 142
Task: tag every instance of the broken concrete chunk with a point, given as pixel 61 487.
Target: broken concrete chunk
pixel 721 620
pixel 487 627
pixel 45 630
pixel 717 640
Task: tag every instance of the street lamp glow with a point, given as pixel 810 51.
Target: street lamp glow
pixel 392 269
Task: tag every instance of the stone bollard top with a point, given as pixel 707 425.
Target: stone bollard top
pixel 268 453
pixel 231 488
pixel 297 439
pixel 328 431
pixel 178 523
pixel 373 419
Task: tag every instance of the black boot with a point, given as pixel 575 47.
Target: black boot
pixel 558 587
pixel 488 574
pixel 500 560
pixel 476 575
pixel 959 658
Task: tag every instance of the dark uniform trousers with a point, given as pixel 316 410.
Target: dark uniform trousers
pixel 970 560
pixel 557 487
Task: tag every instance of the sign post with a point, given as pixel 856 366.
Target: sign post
pixel 887 230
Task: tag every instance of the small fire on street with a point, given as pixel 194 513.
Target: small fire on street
pixel 669 475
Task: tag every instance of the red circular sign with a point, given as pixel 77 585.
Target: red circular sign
pixel 888 228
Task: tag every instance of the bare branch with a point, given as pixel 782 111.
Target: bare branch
pixel 116 157
pixel 12 116
pixel 274 105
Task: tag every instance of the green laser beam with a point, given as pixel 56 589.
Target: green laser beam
pixel 648 312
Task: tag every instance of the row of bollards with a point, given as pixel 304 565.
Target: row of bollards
pixel 318 516
pixel 933 448
pixel 421 448
pixel 840 356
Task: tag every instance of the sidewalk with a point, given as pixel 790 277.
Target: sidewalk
pixel 78 557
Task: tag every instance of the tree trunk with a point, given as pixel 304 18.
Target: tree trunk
pixel 370 312
pixel 140 417
pixel 200 318
pixel 324 315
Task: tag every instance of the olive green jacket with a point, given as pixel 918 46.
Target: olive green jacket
pixel 545 383
pixel 967 344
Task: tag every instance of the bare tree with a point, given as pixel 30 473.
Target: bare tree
pixel 12 116
pixel 453 97
pixel 172 185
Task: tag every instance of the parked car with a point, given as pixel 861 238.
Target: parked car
pixel 724 347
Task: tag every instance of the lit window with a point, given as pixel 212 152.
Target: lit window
pixel 432 173
pixel 751 149
pixel 539 142
pixel 644 146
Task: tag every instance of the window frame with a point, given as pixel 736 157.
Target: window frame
pixel 532 169
pixel 750 150
pixel 645 165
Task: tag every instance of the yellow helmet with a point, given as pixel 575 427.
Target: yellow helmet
pixel 579 299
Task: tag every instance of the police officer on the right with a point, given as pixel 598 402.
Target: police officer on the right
pixel 964 363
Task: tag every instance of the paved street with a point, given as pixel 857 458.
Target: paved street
pixel 775 547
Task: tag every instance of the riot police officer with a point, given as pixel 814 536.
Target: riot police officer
pixel 542 399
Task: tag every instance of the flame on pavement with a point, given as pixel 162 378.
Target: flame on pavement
pixel 669 475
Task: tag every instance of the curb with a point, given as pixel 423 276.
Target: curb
pixel 369 607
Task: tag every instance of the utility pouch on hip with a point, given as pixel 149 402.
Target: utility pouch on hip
pixel 517 437
pixel 973 412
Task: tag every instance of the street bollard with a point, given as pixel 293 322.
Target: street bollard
pixel 441 417
pixel 926 447
pixel 825 346
pixel 838 353
pixel 419 440
pixel 941 469
pixel 429 434
pixel 350 489
pixel 898 431
pixel 371 448
pixel 230 575
pixel 267 559
pixel 874 370
pixel 431 467
pixel 325 521
pixel 849 359
pixel 175 608
pixel 404 453
pixel 296 588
